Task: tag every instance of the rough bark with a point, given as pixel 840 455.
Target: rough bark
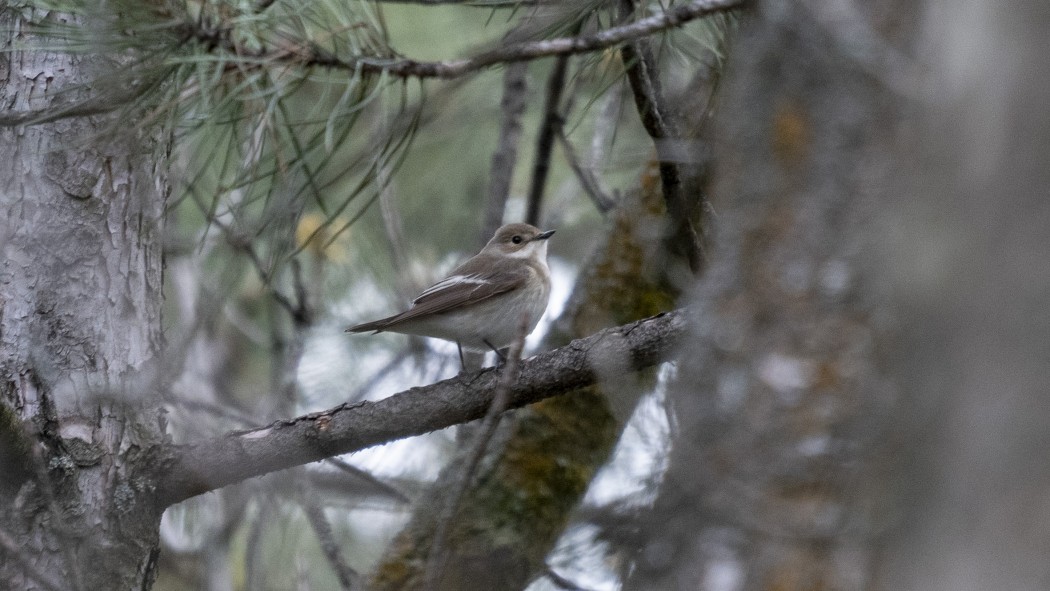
pixel 196 468
pixel 780 398
pixel 80 303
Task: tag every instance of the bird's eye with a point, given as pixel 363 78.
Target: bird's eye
pixel 516 240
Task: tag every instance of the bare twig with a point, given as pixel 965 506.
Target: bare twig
pixel 184 471
pixel 659 121
pixel 364 475
pixel 590 184
pixel 500 400
pixel 298 311
pixel 348 577
pixel 211 408
pixel 552 122
pixel 504 159
pixel 378 376
pixel 308 54
pixel 253 544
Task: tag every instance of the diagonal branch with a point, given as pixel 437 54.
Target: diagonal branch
pixel 436 561
pixel 590 184
pixel 349 579
pixel 660 123
pixel 185 471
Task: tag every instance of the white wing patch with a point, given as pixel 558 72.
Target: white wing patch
pixel 450 282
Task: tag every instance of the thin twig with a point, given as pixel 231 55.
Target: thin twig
pixel 365 388
pixel 659 121
pixel 308 54
pixel 552 122
pixel 211 408
pixel 436 559
pixel 368 477
pixel 349 579
pixel 298 312
pixel 504 159
pixel 253 544
pixel 590 184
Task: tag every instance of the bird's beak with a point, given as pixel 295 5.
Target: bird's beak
pixel 544 235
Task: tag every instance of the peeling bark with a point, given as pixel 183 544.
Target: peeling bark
pixel 80 302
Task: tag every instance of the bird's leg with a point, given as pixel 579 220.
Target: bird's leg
pixel 501 357
pixel 462 361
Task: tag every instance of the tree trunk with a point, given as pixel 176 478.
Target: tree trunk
pixel 80 298
pixel 780 400
pixel 969 268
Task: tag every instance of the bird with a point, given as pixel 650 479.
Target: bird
pixel 483 303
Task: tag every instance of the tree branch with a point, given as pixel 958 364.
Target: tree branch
pixel 504 159
pixel 312 55
pixel 660 123
pixel 309 54
pixel 603 202
pixel 551 124
pixel 184 471
pixel 349 579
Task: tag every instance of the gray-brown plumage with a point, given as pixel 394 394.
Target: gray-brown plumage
pixel 482 303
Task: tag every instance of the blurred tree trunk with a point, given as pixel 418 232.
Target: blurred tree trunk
pixel 80 297
pixel 969 268
pixel 780 401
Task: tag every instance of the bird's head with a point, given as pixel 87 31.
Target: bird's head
pixel 519 241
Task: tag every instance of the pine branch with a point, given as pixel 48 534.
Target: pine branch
pixel 313 55
pixel 185 471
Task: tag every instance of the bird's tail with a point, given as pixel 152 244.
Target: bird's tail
pixel 375 326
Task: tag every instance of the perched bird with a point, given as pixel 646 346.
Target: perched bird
pixel 481 305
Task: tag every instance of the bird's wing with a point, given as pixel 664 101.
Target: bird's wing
pixel 474 281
